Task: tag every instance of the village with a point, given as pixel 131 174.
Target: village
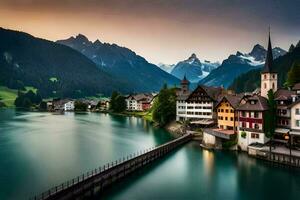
pixel 226 120
pixel 239 120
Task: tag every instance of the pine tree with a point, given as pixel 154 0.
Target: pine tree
pixel 292 47
pixel 270 117
pixel 298 44
pixel 293 75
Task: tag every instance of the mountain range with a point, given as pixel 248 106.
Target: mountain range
pixel 249 81
pixel 192 68
pixel 52 68
pixel 122 63
pixel 238 64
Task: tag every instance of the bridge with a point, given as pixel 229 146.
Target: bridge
pixel 95 181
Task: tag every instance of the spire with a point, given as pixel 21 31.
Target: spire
pixel 184 80
pixel 269 57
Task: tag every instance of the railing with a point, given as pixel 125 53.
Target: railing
pixel 104 175
pixel 280 158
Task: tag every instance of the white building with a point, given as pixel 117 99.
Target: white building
pixel 197 106
pixel 69 106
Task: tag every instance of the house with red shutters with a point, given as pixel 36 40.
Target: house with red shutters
pixel 251 114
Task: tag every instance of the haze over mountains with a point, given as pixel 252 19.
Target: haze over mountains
pixel 122 63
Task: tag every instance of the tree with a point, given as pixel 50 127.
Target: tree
pixel 293 76
pixel 270 117
pixel 117 102
pixel 26 100
pixel 43 106
pixel 164 109
pixel 80 106
pixel 292 47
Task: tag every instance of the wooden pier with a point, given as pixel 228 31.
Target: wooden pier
pixel 96 180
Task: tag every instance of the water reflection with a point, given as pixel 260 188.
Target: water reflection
pixel 40 150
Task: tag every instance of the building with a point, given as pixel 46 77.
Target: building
pixel 139 102
pixel 69 106
pixel 295 123
pixel 227 115
pixel 251 115
pixel 62 105
pixel 283 98
pixel 181 105
pixel 268 75
pixel 197 106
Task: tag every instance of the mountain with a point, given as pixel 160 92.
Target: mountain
pixel 251 80
pixel 238 64
pixel 166 67
pixel 193 69
pixel 54 69
pixel 122 63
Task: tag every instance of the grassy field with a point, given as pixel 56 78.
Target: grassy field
pixel 146 115
pixel 8 96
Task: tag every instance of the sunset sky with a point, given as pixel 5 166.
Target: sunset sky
pixel 161 30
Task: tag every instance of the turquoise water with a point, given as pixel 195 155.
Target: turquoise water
pixel 40 150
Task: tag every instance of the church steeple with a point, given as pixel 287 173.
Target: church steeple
pixel 268 68
pixel 268 75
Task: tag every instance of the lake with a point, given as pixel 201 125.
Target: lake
pixel 41 150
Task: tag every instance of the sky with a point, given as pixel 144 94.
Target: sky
pixel 162 31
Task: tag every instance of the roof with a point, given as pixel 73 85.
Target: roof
pixel 296 86
pixel 141 97
pixel 234 100
pixel 294 103
pixel 283 94
pixel 261 104
pixel 268 68
pixel 213 92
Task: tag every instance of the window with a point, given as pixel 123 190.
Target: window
pixel 222 110
pixel 273 85
pixel 265 86
pixel 254 136
pixel 244 124
pixel 265 76
pixel 273 75
pixel 231 111
pixel 243 114
pixel 256 115
pixel 297 111
pixel 226 110
pixel 298 123
pixel 226 118
pixel 256 126
pixel 231 118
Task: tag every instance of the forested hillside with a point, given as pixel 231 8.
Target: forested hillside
pixel 251 80
pixel 54 69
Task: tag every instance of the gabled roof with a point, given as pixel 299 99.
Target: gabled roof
pixel 212 92
pixel 284 94
pixel 296 86
pixel 294 103
pixel 261 104
pixel 234 100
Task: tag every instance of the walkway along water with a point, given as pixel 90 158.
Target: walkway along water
pixel 94 181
